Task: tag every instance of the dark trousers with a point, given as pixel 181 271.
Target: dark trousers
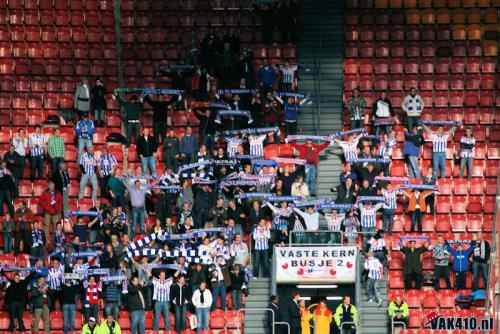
pixel 22 164
pixel 413 277
pixel 261 259
pixel 416 218
pixel 36 166
pixel 159 130
pixel 201 217
pixel 171 160
pixel 429 202
pixel 295 330
pixel 208 141
pixel 55 164
pixel 104 186
pixel 291 128
pixel 132 129
pixel 16 312
pixel 356 124
pixel 479 268
pixel 6 197
pixel 180 317
pixel 18 237
pixel 460 278
pixel 55 295
pixel 441 272
pixel 412 121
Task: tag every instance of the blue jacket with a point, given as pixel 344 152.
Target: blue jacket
pixel 291 112
pixel 267 77
pixel 461 258
pixel 85 129
pixel 188 145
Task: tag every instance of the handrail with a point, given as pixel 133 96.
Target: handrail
pixel 342 324
pixel 283 323
pixel 396 322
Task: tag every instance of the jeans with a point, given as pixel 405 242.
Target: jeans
pixel 479 267
pixel 92 311
pixel 202 314
pixel 93 234
pixel 388 220
pixel 161 307
pixel 16 311
pixel 413 169
pixel 55 164
pixel 138 216
pixel 310 178
pixel 372 289
pixel 36 166
pixel 99 116
pixel 441 272
pixel 412 122
pixel 180 317
pixel 261 259
pixel 132 129
pixel 416 218
pixel 148 163
pixel 387 129
pixel 220 289
pixel 69 311
pixel 39 313
pixel 466 162
pixel 83 143
pixel 290 128
pixel 7 243
pixel 65 196
pixel 86 178
pixel 159 130
pixel 236 297
pixel 137 319
pixel 112 308
pixel 367 235
pixel 439 160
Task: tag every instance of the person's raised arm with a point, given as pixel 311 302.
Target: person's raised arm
pixel 426 129
pixel 451 130
pixel 279 99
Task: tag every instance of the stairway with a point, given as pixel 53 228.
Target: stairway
pixel 260 291
pixel 372 318
pixel 321 46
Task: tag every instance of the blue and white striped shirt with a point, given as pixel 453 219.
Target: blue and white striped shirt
pixel 261 235
pixel 56 276
pixel 369 214
pixel 232 146
pixel 88 162
pixel 257 145
pixel 385 149
pixel 106 164
pixel 37 144
pixel 161 289
pixel 349 148
pixel 374 267
pixel 288 73
pixel 439 142
pixel 390 198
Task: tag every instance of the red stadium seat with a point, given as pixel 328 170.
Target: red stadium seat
pixel 445 186
pixel 446 299
pixel 443 205
pixel 415 320
pixel 458 223
pixel 460 187
pixel 430 299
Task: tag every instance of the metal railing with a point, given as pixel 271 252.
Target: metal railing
pixel 396 323
pixel 342 324
pixel 250 310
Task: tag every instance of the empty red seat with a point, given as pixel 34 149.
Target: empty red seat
pixel 443 205
pixel 445 186
pixel 459 187
pixel 474 223
pixel 446 298
pixel 458 222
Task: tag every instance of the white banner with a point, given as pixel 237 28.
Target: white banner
pixel 316 265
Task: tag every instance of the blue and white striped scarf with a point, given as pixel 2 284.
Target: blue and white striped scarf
pixel 238 91
pixel 248 131
pixel 347 133
pixel 370 199
pixel 226 112
pixel 440 123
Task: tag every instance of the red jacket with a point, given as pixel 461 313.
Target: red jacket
pixel 45 202
pixel 310 153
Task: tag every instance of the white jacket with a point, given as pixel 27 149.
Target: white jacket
pixel 207 296
pixel 413 106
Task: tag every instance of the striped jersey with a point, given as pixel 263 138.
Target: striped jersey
pixel 88 162
pixel 334 221
pixel 106 164
pixel 466 151
pixel 349 148
pixel 257 145
pixel 55 278
pixel 36 143
pixel 374 267
pixel 232 146
pixel 390 198
pixel 288 73
pixel 280 222
pixel 439 142
pixel 385 149
pixel 261 235
pixel 161 289
pixel 377 244
pixel 351 226
pixel 369 214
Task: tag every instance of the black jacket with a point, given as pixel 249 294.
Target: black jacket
pixel 345 196
pixel 98 97
pixel 159 108
pixel 135 303
pixel 29 238
pixel 147 148
pixel 69 294
pixel 477 251
pixel 179 295
pixel 277 314
pixel 38 297
pixel 207 124
pixel 237 280
pixel 18 292
pixel 294 314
